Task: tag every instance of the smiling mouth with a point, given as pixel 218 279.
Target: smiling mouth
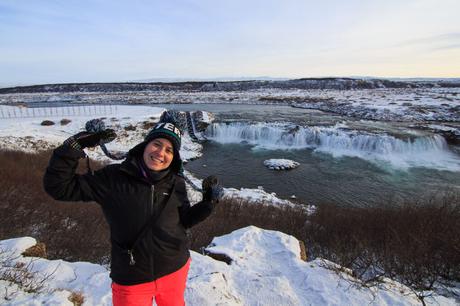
pixel 157 160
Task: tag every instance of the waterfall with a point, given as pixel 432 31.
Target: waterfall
pixel 424 151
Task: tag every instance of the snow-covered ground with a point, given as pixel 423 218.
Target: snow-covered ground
pixel 27 133
pixel 434 104
pixel 393 104
pixel 266 269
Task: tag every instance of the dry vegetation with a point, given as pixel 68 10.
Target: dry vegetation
pixel 71 231
pixel 77 298
pixel 417 243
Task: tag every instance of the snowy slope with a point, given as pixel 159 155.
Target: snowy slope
pixel 266 269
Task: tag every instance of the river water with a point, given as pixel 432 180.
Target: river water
pixel 343 161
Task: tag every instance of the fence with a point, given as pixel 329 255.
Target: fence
pixel 12 112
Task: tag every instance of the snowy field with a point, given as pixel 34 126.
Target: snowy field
pixel 266 269
pixel 401 104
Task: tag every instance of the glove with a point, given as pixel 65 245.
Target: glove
pixel 212 190
pixel 88 139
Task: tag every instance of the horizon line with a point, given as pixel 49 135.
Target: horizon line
pixel 224 79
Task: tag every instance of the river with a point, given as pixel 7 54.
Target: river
pixel 343 161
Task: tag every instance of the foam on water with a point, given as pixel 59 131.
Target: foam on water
pixel 429 151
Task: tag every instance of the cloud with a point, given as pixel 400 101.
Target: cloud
pixel 446 38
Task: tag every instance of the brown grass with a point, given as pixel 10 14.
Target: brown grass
pixel 417 244
pixel 71 231
pixel 76 298
pixel 38 250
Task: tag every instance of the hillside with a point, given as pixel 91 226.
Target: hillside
pixel 307 83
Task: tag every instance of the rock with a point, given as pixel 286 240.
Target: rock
pixel 130 127
pixel 38 250
pixel 451 137
pixel 303 251
pixel 147 125
pixel 219 257
pixel 47 123
pixel 65 121
pixel 281 164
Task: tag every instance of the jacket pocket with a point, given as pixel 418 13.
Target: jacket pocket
pixel 167 242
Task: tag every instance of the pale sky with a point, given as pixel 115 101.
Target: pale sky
pixel 101 41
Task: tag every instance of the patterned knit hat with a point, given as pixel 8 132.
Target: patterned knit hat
pixel 166 130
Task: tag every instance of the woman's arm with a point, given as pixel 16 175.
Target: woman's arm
pixel 62 183
pixel 191 215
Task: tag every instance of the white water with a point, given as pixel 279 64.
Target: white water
pixel 423 151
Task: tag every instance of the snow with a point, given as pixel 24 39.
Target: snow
pixel 266 269
pixel 249 195
pixel 408 104
pixel 15 247
pixel 443 128
pixel 207 118
pixel 390 104
pixel 26 133
pixel 280 164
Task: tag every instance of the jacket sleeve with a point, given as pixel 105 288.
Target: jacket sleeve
pixel 62 183
pixel 191 215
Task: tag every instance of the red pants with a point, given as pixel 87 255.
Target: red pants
pixel 167 291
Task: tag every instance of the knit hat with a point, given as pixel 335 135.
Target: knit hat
pixel 166 130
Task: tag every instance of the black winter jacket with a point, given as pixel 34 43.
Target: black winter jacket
pixel 129 202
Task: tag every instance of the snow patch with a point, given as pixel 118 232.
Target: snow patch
pixel 16 246
pixel 266 269
pixel 280 164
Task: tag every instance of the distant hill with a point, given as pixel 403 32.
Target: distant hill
pixel 306 83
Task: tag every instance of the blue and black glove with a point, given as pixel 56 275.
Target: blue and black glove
pixel 89 139
pixel 212 190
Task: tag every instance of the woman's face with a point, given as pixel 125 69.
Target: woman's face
pixel 158 154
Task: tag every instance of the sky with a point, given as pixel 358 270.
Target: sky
pixel 51 41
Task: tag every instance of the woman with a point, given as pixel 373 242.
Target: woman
pixel 145 203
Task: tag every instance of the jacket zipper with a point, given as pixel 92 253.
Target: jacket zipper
pixel 152 206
